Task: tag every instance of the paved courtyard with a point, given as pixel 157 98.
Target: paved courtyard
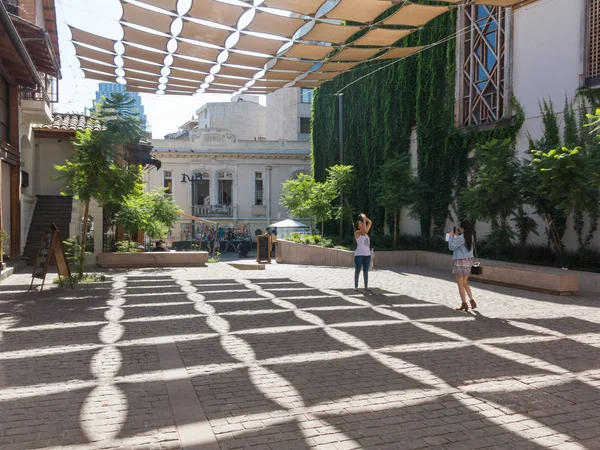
pixel 290 358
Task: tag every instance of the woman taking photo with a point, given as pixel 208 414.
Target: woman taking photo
pixel 362 255
pixel 461 245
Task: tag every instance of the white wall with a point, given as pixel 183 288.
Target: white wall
pixel 246 120
pixel 51 152
pixel 548 64
pixel 282 114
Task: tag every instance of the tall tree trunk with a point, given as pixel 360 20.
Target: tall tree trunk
pixel 395 228
pixel 322 227
pixel 311 228
pixel 84 237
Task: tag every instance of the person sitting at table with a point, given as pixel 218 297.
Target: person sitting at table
pixel 159 247
pixel 230 239
pixel 242 249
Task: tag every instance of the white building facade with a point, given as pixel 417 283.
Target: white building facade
pixel 540 50
pixel 243 115
pixel 215 176
pixel 289 112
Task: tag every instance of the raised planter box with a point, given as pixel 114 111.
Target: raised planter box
pixel 536 278
pixel 153 259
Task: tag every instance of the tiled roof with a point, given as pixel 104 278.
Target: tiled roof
pixel 72 122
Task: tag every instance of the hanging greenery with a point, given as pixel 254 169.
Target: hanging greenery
pixel 380 112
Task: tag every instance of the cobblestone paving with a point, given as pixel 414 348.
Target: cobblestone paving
pixel 290 358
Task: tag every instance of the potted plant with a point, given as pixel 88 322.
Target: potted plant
pixel 4 237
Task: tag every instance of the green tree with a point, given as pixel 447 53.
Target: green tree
pixel 341 178
pixel 296 195
pixel 562 181
pixel 321 197
pixel 98 169
pixel 397 187
pixel 153 212
pixel 494 194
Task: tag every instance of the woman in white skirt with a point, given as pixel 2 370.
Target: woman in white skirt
pixel 461 245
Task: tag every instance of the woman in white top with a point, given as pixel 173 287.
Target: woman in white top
pixel 362 255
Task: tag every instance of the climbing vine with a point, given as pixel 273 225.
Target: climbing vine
pixel 379 113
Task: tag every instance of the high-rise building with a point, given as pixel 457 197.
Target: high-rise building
pixel 105 89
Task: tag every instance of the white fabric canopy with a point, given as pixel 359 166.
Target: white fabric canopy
pixel 296 41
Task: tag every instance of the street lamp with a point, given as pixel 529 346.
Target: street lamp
pixel 195 178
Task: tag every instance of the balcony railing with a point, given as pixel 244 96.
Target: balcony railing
pixel 12 6
pixel 47 93
pixel 213 210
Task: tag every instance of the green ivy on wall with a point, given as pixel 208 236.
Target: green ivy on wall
pixel 379 113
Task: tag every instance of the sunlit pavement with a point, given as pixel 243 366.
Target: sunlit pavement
pixel 292 358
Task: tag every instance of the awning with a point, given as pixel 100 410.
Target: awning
pixel 301 42
pixel 197 219
pixel 39 45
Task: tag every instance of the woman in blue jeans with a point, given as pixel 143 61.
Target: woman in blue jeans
pixel 362 255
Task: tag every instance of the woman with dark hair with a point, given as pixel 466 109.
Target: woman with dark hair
pixel 362 255
pixel 461 245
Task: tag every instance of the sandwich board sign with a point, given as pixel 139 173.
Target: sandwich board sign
pixel 51 247
pixel 263 248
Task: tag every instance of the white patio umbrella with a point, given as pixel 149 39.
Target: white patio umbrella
pixel 288 223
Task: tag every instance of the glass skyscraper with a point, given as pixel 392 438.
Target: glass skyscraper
pixel 105 89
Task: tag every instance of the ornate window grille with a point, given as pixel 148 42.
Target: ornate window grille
pixel 592 69
pixel 483 51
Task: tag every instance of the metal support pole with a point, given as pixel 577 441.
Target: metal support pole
pixel 341 121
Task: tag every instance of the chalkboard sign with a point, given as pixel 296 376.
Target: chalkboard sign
pixel 51 247
pixel 263 248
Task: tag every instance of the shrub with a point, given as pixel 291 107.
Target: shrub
pixel 127 247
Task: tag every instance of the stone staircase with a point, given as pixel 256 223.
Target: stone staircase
pixel 49 209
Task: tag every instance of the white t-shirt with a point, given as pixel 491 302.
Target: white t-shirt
pixel 363 245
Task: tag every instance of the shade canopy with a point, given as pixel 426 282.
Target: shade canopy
pixel 299 42
pixel 289 223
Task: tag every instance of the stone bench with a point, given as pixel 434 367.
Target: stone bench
pixel 153 259
pixel 548 280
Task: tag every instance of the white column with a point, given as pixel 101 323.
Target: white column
pixel 234 193
pixel 214 187
pixel 267 192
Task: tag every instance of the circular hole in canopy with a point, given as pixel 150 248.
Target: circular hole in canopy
pixel 121 80
pixel 120 72
pixel 209 78
pixel 222 57
pixel 119 61
pixel 244 89
pixel 246 19
pixel 232 40
pixel 160 92
pixel 119 48
pixel 326 7
pixel 259 75
pixel 162 86
pixel 165 71
pixel 163 80
pixel 183 6
pixel 177 26
pixel 168 61
pixel 204 85
pixel 172 45
pixel 215 69
pixel 303 30
pixel 250 83
pixel 284 48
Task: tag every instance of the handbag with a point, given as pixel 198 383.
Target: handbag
pixel 476 268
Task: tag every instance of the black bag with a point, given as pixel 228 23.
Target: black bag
pixel 476 268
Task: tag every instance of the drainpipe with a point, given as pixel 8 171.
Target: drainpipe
pixel 13 35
